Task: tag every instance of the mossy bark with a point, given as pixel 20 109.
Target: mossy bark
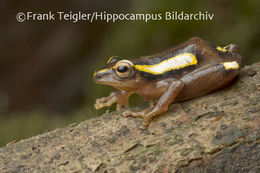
pixel 219 132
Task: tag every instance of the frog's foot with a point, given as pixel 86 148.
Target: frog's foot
pixel 143 114
pixel 134 114
pixel 103 102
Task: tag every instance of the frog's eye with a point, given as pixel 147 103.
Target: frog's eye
pixel 113 59
pixel 123 69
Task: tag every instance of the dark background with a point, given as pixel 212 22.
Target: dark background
pixel 46 67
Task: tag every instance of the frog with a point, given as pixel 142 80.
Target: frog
pixel 191 69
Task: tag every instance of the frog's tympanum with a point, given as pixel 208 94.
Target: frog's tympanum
pixel 191 69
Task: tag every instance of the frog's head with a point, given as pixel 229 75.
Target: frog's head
pixel 118 73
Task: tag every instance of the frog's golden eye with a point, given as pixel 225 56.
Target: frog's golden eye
pixel 123 69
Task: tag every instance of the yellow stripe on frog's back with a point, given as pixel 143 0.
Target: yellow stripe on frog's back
pixel 173 63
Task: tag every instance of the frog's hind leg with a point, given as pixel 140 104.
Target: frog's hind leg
pixel 205 48
pixel 207 79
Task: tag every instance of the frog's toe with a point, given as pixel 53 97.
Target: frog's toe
pixel 134 114
pixel 98 106
pixel 146 122
pixel 127 113
pixel 101 100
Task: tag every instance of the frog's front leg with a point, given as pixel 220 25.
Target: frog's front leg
pixel 121 97
pixel 173 89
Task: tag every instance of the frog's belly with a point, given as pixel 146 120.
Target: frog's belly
pixel 152 93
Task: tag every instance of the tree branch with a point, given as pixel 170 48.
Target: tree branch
pixel 219 132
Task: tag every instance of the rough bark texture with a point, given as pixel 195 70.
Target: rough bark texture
pixel 219 132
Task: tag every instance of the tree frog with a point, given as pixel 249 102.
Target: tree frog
pixel 191 69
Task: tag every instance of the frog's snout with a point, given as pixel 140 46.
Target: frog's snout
pixel 97 76
pixel 102 75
